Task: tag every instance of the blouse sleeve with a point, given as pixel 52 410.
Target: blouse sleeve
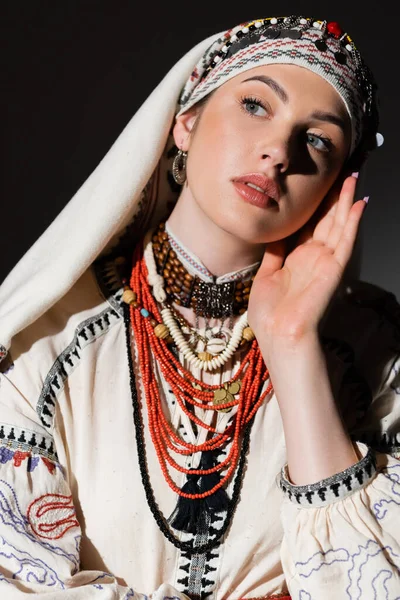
pixel 342 534
pixel 39 532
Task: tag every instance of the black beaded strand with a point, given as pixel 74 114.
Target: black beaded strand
pixel 188 547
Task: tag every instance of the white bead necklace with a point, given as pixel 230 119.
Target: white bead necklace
pixel 182 344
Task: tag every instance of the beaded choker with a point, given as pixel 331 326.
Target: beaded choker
pixel 210 300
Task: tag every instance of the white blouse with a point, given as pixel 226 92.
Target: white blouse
pixel 74 519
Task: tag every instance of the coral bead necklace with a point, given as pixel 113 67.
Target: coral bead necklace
pixel 243 391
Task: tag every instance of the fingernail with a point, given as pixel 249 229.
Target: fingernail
pixel 366 199
pixel 355 174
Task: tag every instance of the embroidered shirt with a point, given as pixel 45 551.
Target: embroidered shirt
pixel 74 519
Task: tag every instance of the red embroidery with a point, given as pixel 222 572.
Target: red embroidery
pixel 19 457
pixel 50 465
pixel 52 515
pixel 195 74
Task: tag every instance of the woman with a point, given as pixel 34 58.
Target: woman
pixel 261 460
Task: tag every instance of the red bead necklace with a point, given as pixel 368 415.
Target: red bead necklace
pixel 252 373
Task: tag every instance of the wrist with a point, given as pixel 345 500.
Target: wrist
pixel 289 346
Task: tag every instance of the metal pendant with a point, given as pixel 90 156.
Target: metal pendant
pixel 215 300
pixel 179 167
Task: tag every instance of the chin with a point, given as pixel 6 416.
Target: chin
pixel 245 229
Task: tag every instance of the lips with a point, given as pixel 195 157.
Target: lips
pixel 264 184
pixel 258 189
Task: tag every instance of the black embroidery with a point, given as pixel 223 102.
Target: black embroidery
pixel 309 496
pixel 333 488
pixel 197 573
pixel 347 482
pixel 359 475
pixel 109 283
pixel 85 333
pixel 15 437
pixel 387 443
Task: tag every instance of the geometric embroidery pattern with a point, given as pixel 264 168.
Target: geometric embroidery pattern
pixel 17 438
pixel 386 443
pixel 86 333
pixel 324 63
pixel 332 488
pixel 109 283
pixel 197 573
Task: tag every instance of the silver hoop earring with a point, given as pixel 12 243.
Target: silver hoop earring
pixel 179 167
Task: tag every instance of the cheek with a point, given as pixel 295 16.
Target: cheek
pixel 307 193
pixel 217 149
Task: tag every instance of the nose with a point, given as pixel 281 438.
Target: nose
pixel 275 152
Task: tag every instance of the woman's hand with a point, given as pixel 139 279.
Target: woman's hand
pixel 289 296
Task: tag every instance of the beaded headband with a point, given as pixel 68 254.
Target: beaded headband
pixel 319 46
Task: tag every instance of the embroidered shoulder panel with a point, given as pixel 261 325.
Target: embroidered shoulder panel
pixel 85 333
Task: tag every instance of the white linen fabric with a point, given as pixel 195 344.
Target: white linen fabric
pixel 74 521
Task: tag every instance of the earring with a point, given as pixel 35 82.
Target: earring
pixel 179 167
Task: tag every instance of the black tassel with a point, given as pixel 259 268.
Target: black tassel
pixel 193 516
pixel 219 500
pixel 186 514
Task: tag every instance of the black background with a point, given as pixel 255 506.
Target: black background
pixel 73 74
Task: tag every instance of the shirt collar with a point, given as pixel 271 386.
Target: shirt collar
pixel 196 268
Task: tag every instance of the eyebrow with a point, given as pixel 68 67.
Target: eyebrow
pixel 330 118
pixel 274 85
pixel 282 94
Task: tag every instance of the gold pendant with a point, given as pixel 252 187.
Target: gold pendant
pixel 226 394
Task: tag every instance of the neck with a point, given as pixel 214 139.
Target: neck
pixel 219 250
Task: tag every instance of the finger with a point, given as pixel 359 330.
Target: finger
pixel 339 202
pixel 342 212
pixel 318 225
pixel 326 220
pixel 344 247
pixel 273 258
pixel 326 213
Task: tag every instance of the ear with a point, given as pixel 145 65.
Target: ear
pixel 183 127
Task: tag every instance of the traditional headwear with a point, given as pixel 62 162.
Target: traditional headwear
pixel 319 46
pixel 133 183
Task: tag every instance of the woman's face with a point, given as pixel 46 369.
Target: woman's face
pixel 282 122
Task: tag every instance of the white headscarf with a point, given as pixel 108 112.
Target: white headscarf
pixel 100 210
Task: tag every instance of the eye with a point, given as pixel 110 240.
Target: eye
pixel 253 106
pixel 319 142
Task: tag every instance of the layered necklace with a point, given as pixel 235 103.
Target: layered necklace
pixel 156 330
